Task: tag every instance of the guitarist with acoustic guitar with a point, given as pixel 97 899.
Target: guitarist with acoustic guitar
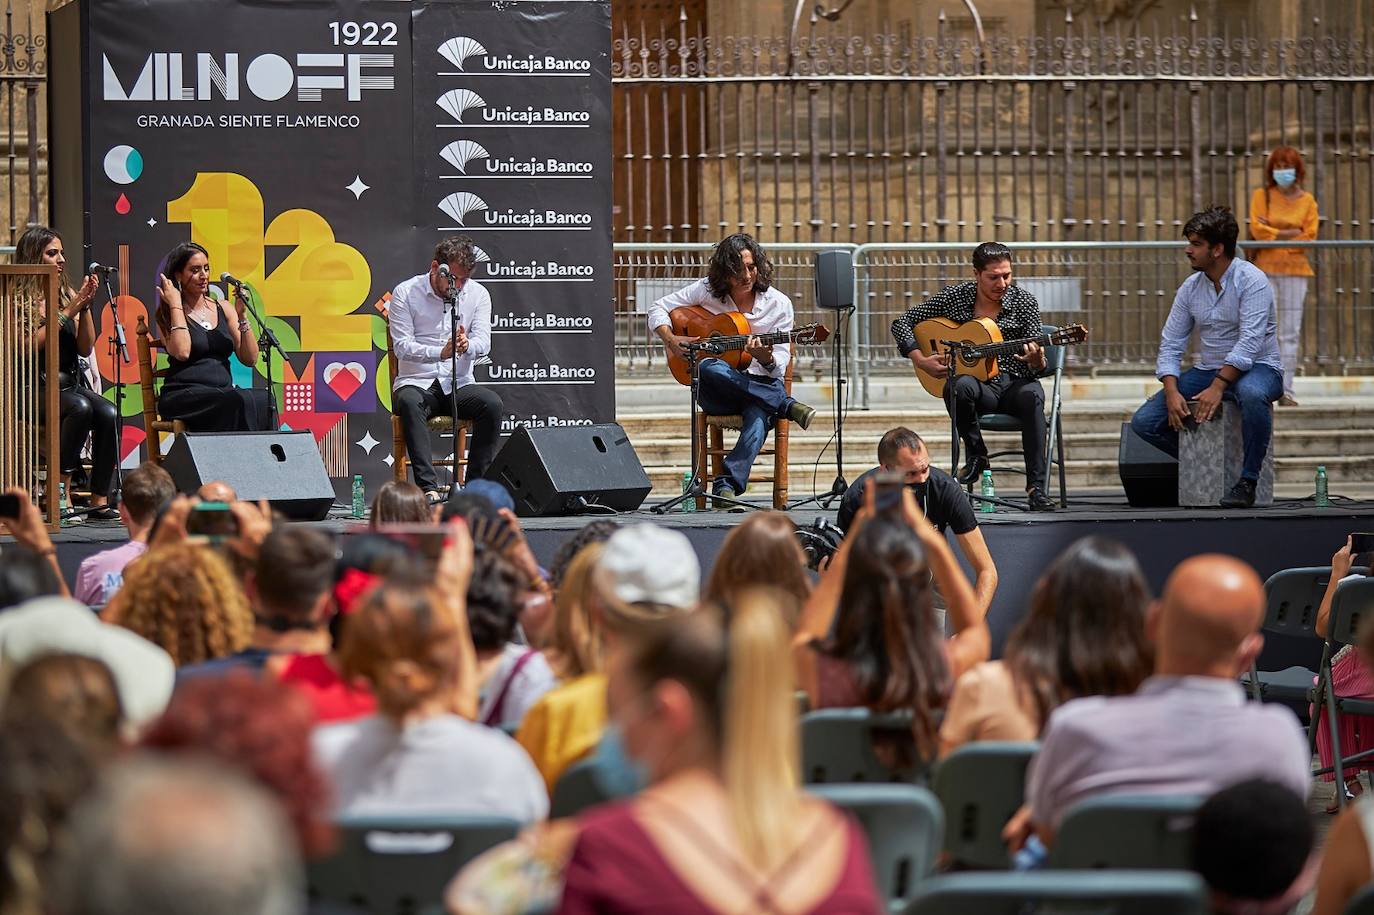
pixel 739 279
pixel 1013 389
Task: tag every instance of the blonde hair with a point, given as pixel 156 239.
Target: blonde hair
pixel 575 639
pixel 737 665
pixel 184 599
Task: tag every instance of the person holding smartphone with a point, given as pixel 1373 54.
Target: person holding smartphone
pixel 1351 676
pixel 82 411
pixel 200 333
pixel 938 495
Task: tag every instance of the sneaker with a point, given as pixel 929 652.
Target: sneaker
pixel 1038 501
pixel 1288 400
pixel 104 513
pixel 801 414
pixel 1242 495
pixel 433 497
pixel 973 469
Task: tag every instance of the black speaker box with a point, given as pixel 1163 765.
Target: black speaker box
pixel 552 470
pixel 834 279
pixel 285 468
pixel 1149 476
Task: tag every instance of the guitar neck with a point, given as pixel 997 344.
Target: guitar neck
pixel 739 341
pixel 1011 347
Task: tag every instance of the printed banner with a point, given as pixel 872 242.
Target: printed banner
pixel 318 150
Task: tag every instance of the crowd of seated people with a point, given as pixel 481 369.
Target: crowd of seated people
pixel 197 728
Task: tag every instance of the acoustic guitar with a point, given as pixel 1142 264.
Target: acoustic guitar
pixel 982 344
pixel 728 333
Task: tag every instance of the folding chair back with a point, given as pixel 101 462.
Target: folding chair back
pixel 1351 605
pixel 980 786
pixel 577 789
pixel 1096 892
pixel 1292 599
pixel 838 746
pixel 1149 832
pixel 388 865
pixel 903 825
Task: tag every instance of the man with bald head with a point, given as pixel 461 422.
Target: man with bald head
pixel 216 491
pixel 1189 728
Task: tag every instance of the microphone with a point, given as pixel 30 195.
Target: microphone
pixel 444 271
pixel 229 280
pixel 95 269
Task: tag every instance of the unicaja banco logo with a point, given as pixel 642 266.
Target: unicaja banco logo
pixel 461 204
pixel 468 55
pixel 467 107
pixel 460 152
pixel 176 77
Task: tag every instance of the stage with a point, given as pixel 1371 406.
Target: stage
pixel 1290 533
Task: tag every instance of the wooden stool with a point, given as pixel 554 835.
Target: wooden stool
pixel 1211 456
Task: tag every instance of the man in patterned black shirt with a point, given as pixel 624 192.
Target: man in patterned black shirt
pixel 1015 389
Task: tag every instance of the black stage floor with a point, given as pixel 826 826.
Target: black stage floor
pixel 1288 534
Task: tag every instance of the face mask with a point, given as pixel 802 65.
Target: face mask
pixel 1284 177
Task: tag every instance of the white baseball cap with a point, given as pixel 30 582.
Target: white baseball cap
pixel 648 564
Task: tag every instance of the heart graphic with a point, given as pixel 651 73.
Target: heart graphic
pixel 345 379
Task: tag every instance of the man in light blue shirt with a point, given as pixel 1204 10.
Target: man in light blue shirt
pixel 1230 304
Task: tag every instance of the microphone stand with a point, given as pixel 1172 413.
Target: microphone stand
pixel 119 349
pixel 451 300
pixel 696 487
pixel 267 341
pixel 840 486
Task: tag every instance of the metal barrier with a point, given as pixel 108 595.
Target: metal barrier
pixel 1120 290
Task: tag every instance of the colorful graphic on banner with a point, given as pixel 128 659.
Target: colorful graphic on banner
pixel 319 150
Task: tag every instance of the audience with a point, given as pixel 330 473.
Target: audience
pixel 870 636
pixel 289 589
pixel 400 502
pixel 143 673
pixel 184 598
pixel 512 676
pixel 1083 635
pixel 598 531
pixel 419 754
pixel 762 550
pixel 574 644
pixel 44 772
pixel 645 574
pixel 162 837
pixel 1351 675
pixel 25 575
pixel 259 729
pixel 1253 843
pixel 1189 728
pixel 146 490
pixel 217 491
pixel 76 693
pixel 705 702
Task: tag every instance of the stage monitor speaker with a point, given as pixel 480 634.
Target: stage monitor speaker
pixel 285 468
pixel 563 470
pixel 1149 476
pixel 834 280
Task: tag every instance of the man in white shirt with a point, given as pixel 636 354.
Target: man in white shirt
pixel 424 345
pixel 739 278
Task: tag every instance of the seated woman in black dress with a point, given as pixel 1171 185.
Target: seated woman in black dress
pixel 200 334
pixel 83 412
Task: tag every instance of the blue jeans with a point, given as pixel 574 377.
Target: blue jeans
pixel 760 400
pixel 1254 392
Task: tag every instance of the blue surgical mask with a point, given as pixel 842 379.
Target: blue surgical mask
pixel 1284 177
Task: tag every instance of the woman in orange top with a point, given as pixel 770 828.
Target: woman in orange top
pixel 1281 210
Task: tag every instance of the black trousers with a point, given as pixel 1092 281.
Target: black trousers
pixel 416 406
pixel 84 413
pixel 966 398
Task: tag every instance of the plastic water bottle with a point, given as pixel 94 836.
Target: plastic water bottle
pixel 987 491
pixel 359 496
pixel 62 505
pixel 1322 500
pixel 688 505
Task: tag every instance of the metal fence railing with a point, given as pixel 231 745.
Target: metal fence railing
pixel 1121 291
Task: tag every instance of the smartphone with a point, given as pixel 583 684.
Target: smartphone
pixel 1361 543
pixel 887 491
pixel 212 520
pixel 9 506
pixel 424 541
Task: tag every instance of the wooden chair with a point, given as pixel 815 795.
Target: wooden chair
pixel 153 425
pixel 441 424
pixel 710 439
